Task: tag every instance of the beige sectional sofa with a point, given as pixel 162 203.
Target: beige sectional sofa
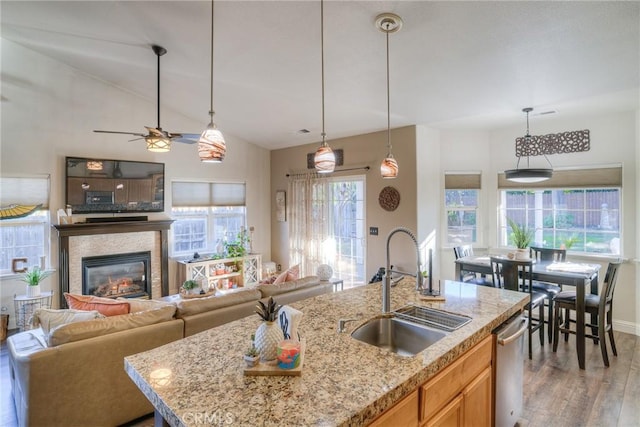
pixel 74 375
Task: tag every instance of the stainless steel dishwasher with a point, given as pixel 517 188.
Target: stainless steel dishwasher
pixel 509 365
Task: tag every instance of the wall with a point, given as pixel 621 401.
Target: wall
pixel 49 111
pixel 614 140
pixel 361 150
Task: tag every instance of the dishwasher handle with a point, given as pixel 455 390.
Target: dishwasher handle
pixel 521 330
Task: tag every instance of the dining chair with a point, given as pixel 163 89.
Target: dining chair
pixel 596 305
pixel 548 255
pixel 516 275
pixel 471 277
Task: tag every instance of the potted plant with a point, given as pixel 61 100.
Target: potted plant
pixel 521 237
pixel 189 286
pixel 269 333
pixel 251 355
pixel 33 278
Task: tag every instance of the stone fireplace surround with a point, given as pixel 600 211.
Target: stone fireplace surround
pixel 92 239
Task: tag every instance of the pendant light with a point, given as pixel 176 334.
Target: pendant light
pixel 324 159
pixel 211 145
pixel 388 23
pixel 528 175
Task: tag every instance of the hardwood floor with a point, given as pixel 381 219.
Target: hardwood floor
pixel 556 392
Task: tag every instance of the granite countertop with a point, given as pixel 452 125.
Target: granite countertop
pixel 344 382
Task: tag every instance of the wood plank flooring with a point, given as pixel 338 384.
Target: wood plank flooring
pixel 556 392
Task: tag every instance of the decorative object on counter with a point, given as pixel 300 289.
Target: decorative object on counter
pixel 524 148
pixel 429 293
pixel 521 237
pixel 388 23
pixel 252 355
pixel 273 369
pixel 33 278
pixel 324 272
pixel 389 199
pixel 289 319
pixel 269 333
pixel 289 354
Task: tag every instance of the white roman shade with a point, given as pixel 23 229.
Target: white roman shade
pixel 462 180
pixel 24 191
pixel 194 194
pixel 572 178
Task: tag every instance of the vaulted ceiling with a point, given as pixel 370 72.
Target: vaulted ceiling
pixel 453 64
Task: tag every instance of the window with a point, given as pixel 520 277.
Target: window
pixel 461 194
pixel 582 220
pixel 27 236
pixel 577 209
pixel 206 216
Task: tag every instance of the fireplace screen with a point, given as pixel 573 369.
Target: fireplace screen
pixel 121 275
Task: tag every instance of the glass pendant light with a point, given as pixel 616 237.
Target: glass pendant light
pixel 324 159
pixel 528 175
pixel 211 145
pixel 388 23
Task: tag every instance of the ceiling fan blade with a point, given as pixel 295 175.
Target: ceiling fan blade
pixel 185 138
pixel 137 139
pixel 122 133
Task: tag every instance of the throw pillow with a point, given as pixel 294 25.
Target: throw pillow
pixel 106 306
pixel 293 273
pixel 281 278
pixel 269 280
pixel 49 318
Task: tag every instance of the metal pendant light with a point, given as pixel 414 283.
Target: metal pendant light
pixel 388 23
pixel 324 159
pixel 211 145
pixel 528 175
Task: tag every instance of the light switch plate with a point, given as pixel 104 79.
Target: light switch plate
pixel 373 231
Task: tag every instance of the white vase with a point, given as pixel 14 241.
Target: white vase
pixel 268 336
pixel 33 291
pixel 522 254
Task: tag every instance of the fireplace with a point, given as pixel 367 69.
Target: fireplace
pixel 119 275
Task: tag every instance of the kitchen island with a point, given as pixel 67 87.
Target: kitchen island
pixel 200 380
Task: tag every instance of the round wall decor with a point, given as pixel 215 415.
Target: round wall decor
pixel 389 198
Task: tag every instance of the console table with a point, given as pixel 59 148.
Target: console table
pixel 237 272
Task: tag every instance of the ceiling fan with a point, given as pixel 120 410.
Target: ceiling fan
pixel 159 140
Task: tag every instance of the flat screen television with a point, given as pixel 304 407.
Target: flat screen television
pixel 113 186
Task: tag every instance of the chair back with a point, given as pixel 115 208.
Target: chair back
pixel 548 254
pixel 610 280
pixel 463 251
pixel 511 274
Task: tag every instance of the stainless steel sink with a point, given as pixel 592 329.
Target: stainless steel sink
pixel 432 317
pixel 397 335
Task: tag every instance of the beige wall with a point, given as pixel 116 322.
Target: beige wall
pixel 360 151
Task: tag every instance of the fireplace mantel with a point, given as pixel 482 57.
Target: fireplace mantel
pixel 65 231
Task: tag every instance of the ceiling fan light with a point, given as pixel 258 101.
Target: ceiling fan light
pixel 528 176
pixel 211 145
pixel 158 144
pixel 324 159
pixel 389 167
pixel 94 165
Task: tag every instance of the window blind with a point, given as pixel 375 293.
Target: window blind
pixel 24 191
pixel 462 181
pixel 597 177
pixel 197 194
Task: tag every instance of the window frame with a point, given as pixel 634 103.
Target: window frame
pixel 463 181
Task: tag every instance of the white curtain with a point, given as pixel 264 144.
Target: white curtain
pixel 308 221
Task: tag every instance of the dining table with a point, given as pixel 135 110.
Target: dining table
pixel 582 276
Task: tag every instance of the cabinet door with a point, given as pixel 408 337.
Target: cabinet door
pixel 450 416
pixel 478 399
pixel 403 414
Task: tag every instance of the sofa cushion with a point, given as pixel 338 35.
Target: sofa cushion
pixel 106 306
pixel 290 274
pixel 189 307
pixel 137 305
pixel 109 325
pixel 280 288
pixel 49 319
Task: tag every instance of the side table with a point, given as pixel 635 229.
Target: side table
pixel 25 307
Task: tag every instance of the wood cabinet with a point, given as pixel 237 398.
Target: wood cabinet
pixel 227 273
pixel 461 394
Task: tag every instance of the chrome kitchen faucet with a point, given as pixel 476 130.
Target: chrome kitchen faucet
pixel 386 287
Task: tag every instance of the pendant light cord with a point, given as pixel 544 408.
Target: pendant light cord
pixel 211 113
pixel 322 65
pixel 158 83
pixel 388 97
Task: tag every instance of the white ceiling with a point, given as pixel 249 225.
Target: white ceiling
pixel 453 64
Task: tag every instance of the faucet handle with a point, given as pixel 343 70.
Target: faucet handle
pixel 341 324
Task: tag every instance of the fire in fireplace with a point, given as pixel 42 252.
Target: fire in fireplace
pixel 119 275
